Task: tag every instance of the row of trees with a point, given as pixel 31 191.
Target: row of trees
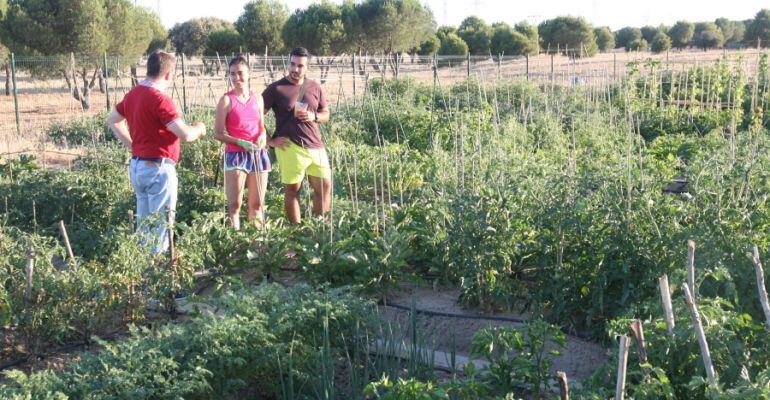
pixel 379 26
pixel 93 27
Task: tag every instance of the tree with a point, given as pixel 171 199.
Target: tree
pixel 79 27
pixel 649 32
pixel 430 46
pixel 452 45
pixel 530 32
pixel 627 35
pixel 4 52
pixel 260 25
pixel 223 42
pixel 660 43
pixel 445 30
pixel 605 40
pixel 476 34
pixel 637 45
pixel 190 37
pixel 681 34
pixel 320 28
pixel 708 35
pixel 394 25
pixel 159 35
pixel 508 41
pixel 733 31
pixel 759 29
pixel 573 33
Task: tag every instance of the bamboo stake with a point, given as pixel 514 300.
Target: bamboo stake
pixel 704 347
pixel 668 311
pixel 638 331
pixel 691 267
pixel 620 386
pixel 761 285
pixel 29 272
pixel 66 239
pixel 561 376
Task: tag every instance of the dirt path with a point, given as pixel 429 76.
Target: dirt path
pixel 579 359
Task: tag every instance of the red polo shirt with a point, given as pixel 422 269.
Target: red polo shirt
pixel 147 111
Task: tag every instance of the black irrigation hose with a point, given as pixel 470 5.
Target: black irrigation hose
pixel 470 316
pixel 453 315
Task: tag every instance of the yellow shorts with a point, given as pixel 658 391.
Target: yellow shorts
pixel 294 161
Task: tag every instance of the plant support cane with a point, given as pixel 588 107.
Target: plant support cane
pixel 691 267
pixel 561 376
pixel 620 386
pixel 761 284
pixel 29 272
pixel 66 239
pixel 668 311
pixel 704 346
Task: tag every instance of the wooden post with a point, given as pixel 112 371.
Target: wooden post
pixel 66 239
pixel 526 61
pixel 761 285
pixel 638 331
pixel 170 227
pixel 668 311
pixel 620 386
pixel 552 68
pixel 107 82
pixel 614 66
pixel 561 376
pixel 499 64
pixel 468 72
pixel 691 267
pixel 704 346
pixel 355 75
pixel 29 272
pixel 15 94
pixel 131 220
pixel 184 86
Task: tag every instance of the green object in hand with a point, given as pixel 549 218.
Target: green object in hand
pixel 245 144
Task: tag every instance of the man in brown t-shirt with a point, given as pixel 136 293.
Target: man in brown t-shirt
pixel 299 105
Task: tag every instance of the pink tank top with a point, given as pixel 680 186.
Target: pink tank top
pixel 243 121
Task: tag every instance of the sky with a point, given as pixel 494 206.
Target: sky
pixel 613 13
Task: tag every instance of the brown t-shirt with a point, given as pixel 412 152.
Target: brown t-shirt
pixel 281 96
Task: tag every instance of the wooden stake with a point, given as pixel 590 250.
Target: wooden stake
pixel 668 311
pixel 561 376
pixel 638 331
pixel 170 222
pixel 620 387
pixel 29 271
pixel 761 284
pixel 691 267
pixel 704 346
pixel 66 239
pixel 131 220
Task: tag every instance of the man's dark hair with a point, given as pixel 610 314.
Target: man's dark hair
pixel 159 63
pixel 239 59
pixel 300 52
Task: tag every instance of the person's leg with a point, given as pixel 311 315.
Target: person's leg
pixel 319 176
pixel 257 185
pixel 292 161
pixel 291 201
pixel 162 195
pixel 234 180
pixel 139 175
pixel 322 194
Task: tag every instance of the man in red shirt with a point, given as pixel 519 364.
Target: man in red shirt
pixel 153 134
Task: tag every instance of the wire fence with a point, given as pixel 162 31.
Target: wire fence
pixel 42 92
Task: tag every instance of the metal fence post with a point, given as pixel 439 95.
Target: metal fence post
pixel 552 68
pixel 15 94
pixel 106 81
pixel 184 86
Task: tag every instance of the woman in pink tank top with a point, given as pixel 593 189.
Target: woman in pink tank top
pixel 239 124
